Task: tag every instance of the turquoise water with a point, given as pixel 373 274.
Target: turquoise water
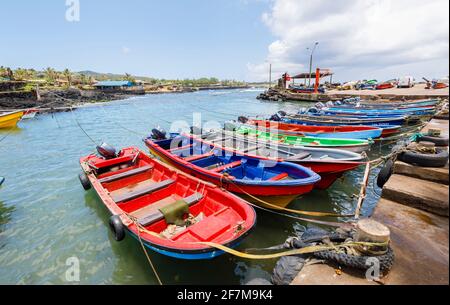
pixel 46 217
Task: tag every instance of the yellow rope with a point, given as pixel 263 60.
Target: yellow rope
pixel 305 250
pixel 138 226
pixel 307 213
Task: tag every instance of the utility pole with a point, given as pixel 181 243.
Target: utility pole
pixel 310 63
pixel 270 76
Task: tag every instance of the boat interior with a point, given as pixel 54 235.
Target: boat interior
pixel 218 160
pixel 158 197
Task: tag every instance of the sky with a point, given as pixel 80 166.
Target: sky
pixel 228 39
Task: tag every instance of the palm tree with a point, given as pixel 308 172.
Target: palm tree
pixel 9 73
pixel 83 79
pixel 68 75
pixel 129 78
pixel 50 75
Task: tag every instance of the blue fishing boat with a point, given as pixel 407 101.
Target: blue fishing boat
pixel 379 112
pixel 339 120
pixel 393 105
pixel 260 180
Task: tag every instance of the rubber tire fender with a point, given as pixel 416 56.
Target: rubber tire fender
pixel 385 173
pixel 359 262
pixel 117 227
pixel 439 159
pixel 286 269
pixel 84 181
pixel 439 141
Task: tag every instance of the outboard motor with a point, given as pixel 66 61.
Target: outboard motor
pixel 106 151
pixel 313 110
pixel 275 118
pixel 242 119
pixel 338 103
pixel 282 113
pixel 159 134
pixel 196 130
pixel 319 105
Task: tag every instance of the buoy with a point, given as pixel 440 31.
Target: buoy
pixel 368 230
pixel 434 132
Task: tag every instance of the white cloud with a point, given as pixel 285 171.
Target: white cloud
pixel 358 37
pixel 126 50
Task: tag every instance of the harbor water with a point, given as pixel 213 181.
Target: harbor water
pixel 47 220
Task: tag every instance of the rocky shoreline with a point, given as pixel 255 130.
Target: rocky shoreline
pixel 64 99
pixel 57 100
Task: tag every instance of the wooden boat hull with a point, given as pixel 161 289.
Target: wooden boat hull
pixel 337 121
pixel 278 193
pixel 395 105
pixel 222 210
pixel 10 120
pixel 379 112
pixel 322 131
pixel 330 164
pixel 353 145
pixel 30 114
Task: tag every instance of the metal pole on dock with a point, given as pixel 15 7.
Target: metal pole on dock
pixel 310 63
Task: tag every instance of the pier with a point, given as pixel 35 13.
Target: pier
pixel 418 92
pixel 415 206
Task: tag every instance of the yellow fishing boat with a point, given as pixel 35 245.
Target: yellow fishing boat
pixel 10 119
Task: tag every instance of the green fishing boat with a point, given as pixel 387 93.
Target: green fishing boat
pixel 346 144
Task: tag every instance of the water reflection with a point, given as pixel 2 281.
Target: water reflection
pixel 5 214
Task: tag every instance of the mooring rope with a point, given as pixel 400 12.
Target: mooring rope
pixel 305 250
pixel 145 251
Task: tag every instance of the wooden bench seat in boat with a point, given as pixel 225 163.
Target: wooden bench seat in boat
pixel 299 156
pixel 198 157
pixel 227 166
pixel 279 177
pixel 181 148
pixel 139 189
pixel 151 214
pixel 247 150
pixel 126 174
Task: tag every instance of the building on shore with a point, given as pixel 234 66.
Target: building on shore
pixel 113 85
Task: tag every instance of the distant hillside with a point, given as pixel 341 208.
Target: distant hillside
pixel 111 76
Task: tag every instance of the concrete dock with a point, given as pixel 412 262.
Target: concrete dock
pixel 415 93
pixel 415 207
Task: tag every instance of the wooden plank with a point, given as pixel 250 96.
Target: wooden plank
pixel 126 174
pixel 139 189
pixel 152 214
pixel 227 166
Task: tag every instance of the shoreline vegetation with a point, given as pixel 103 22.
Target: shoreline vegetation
pixel 53 91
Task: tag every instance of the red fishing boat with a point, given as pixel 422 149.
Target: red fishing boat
pixel 171 212
pixel 384 86
pixel 341 132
